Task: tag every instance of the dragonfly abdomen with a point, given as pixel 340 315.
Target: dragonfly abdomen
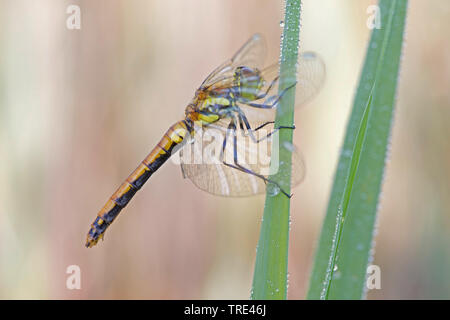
pixel 160 153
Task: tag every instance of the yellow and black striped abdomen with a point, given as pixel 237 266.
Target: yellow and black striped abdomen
pixel 160 153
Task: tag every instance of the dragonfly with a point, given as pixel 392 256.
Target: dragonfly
pixel 236 103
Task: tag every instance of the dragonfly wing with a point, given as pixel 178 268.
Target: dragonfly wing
pixel 251 54
pixel 203 162
pixel 310 77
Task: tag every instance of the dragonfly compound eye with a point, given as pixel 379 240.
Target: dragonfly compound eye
pixel 248 82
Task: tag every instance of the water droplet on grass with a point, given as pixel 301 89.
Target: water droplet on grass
pixel 273 189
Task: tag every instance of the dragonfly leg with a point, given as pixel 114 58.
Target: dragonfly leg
pixel 244 121
pixel 231 128
pixel 273 104
pixel 236 165
pixel 263 95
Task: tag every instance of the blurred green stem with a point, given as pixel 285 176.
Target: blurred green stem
pixel 346 241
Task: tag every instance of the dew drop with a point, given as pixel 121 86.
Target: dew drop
pixel 273 189
pixel 289 146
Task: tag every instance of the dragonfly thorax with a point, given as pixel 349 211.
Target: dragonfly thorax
pixel 208 107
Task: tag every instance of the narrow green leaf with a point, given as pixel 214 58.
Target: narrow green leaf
pixel 346 240
pixel 270 277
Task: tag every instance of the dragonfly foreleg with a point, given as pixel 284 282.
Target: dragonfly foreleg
pixel 263 95
pixel 271 105
pixel 236 165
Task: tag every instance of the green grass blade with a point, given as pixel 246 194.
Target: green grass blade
pixel 346 240
pixel 270 276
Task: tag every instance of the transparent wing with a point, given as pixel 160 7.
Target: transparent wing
pixel 251 54
pixel 310 78
pixel 311 75
pixel 202 161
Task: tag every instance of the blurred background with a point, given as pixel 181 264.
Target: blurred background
pixel 79 110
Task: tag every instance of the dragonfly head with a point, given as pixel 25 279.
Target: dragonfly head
pixel 248 82
pixel 190 109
